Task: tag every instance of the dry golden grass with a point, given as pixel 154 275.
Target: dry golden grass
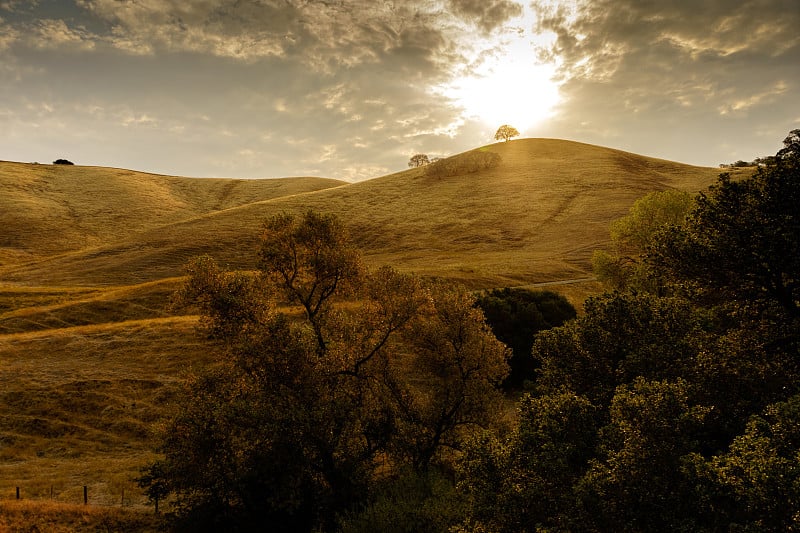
pixel 51 209
pixel 80 404
pixel 25 516
pixel 90 358
pixel 536 217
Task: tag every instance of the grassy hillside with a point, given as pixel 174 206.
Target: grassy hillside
pixel 52 209
pixel 535 218
pixel 90 357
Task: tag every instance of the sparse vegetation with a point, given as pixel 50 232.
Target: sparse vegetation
pixel 468 163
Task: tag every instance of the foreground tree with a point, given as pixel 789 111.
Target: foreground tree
pixel 290 428
pixel 740 245
pixel 506 132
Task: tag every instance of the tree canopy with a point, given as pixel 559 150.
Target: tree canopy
pixel 418 160
pixel 506 132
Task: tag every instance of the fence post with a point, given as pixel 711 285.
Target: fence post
pixel 156 498
pixel 122 503
pixel 18 493
pixel 85 495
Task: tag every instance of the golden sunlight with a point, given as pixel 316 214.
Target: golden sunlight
pixel 510 92
pixel 508 86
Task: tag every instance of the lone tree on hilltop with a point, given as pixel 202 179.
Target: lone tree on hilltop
pixel 505 132
pixel 418 160
pixel 63 162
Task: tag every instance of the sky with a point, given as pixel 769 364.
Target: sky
pixel 351 89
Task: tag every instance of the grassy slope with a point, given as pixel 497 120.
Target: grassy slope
pixel 89 355
pixel 537 217
pixel 52 209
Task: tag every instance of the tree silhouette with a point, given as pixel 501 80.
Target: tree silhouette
pixel 418 160
pixel 505 132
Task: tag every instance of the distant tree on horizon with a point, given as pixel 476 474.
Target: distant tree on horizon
pixel 418 160
pixel 63 162
pixel 505 132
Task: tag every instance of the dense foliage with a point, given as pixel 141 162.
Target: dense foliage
pixel 672 409
pixel 516 316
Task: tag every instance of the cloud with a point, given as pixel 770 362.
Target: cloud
pixel 8 35
pixel 666 68
pixel 486 14
pixel 55 34
pixel 325 34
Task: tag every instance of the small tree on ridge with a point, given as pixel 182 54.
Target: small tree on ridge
pixel 505 132
pixel 418 160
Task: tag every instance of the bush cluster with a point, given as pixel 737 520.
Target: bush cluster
pixel 462 164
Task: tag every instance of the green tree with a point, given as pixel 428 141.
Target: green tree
pixel 623 266
pixel 506 132
pixel 638 483
pixel 292 425
pixel 516 316
pixel 741 244
pixel 755 483
pixel 525 481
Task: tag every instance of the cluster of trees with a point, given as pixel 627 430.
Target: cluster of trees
pixel 671 404
pixel 466 163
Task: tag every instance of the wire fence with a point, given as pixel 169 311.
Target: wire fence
pixel 85 495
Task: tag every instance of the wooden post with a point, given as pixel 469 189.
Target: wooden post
pixel 122 503
pixel 52 493
pixel 85 495
pixel 156 504
pixel 18 493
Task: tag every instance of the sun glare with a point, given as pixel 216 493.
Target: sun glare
pixel 510 87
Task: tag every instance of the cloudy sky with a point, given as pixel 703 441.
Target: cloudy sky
pixel 351 89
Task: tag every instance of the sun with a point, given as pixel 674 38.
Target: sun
pixel 510 92
pixel 508 86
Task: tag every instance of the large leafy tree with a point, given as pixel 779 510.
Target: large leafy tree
pixel 740 245
pixel 305 407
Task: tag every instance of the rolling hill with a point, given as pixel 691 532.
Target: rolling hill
pixel 536 217
pixel 90 357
